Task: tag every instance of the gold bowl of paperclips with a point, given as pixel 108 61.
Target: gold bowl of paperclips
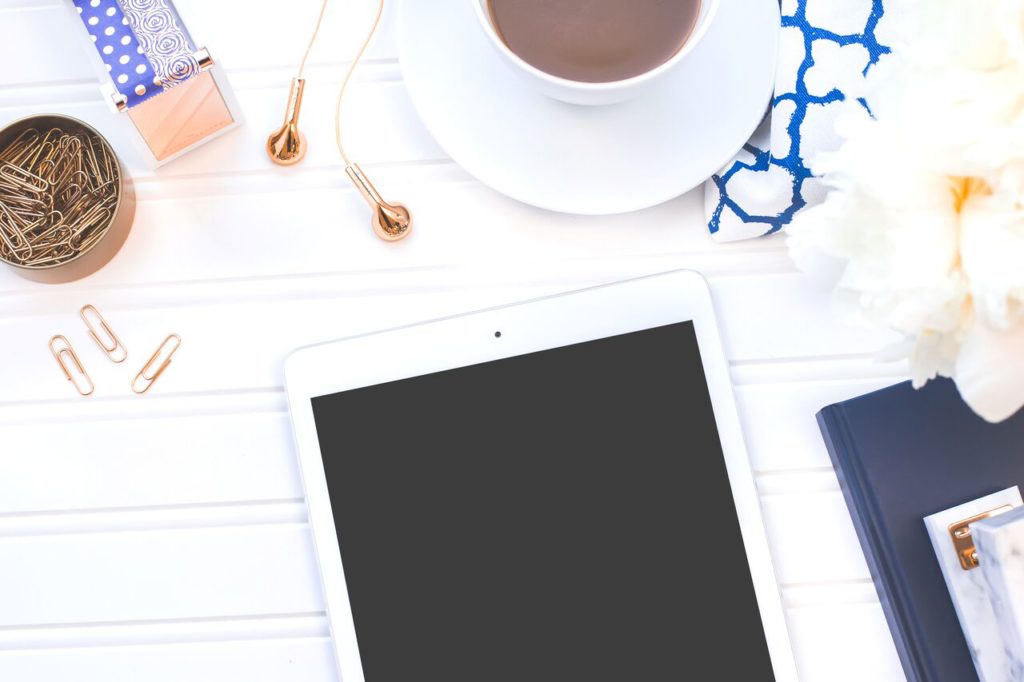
pixel 66 202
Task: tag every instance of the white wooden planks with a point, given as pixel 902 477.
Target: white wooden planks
pixel 52 638
pixel 272 660
pixel 848 643
pixel 241 37
pixel 153 575
pixel 381 107
pixel 255 227
pixel 239 342
pixel 164 538
pixel 779 418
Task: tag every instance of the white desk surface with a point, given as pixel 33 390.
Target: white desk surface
pixel 165 537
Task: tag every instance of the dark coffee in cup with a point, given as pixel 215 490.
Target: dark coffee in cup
pixel 594 41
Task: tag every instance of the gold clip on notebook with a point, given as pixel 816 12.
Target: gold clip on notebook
pixel 172 91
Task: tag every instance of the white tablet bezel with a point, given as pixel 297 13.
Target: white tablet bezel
pixel 526 327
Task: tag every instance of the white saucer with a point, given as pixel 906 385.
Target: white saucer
pixel 588 160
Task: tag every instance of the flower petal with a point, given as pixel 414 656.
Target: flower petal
pixel 990 371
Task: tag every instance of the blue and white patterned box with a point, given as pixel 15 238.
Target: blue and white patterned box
pixel 149 63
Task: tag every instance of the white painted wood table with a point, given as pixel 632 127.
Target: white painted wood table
pixel 165 537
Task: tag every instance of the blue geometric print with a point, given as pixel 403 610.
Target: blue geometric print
pixel 794 163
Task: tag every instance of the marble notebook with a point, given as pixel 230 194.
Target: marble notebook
pixel 969 589
pixel 1000 541
pixel 902 455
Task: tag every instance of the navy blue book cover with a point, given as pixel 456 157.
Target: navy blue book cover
pixel 901 455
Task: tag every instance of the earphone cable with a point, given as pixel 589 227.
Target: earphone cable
pixel 286 145
pixel 309 48
pixel 348 75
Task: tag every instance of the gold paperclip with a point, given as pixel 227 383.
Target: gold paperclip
pixel 58 194
pixel 111 345
pixel 144 373
pixel 66 351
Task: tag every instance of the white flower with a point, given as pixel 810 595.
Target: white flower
pixel 1011 21
pixel 923 226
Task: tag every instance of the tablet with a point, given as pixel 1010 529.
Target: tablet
pixel 553 490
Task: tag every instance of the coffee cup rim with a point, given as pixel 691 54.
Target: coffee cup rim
pixel 692 40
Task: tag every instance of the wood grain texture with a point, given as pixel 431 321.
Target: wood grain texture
pixel 165 538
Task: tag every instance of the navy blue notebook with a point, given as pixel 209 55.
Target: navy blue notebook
pixel 901 455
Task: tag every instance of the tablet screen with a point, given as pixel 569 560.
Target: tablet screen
pixel 561 515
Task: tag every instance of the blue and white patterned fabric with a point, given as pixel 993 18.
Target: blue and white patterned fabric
pixel 143 44
pixel 826 49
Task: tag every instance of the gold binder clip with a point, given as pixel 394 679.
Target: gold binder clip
pixel 203 59
pixel 111 345
pixel 62 350
pixel 150 377
pixel 963 541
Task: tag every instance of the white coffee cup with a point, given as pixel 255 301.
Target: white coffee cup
pixel 580 92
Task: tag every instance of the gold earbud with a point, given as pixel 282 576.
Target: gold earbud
pixel 390 222
pixel 287 145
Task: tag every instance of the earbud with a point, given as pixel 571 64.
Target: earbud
pixel 390 222
pixel 287 145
